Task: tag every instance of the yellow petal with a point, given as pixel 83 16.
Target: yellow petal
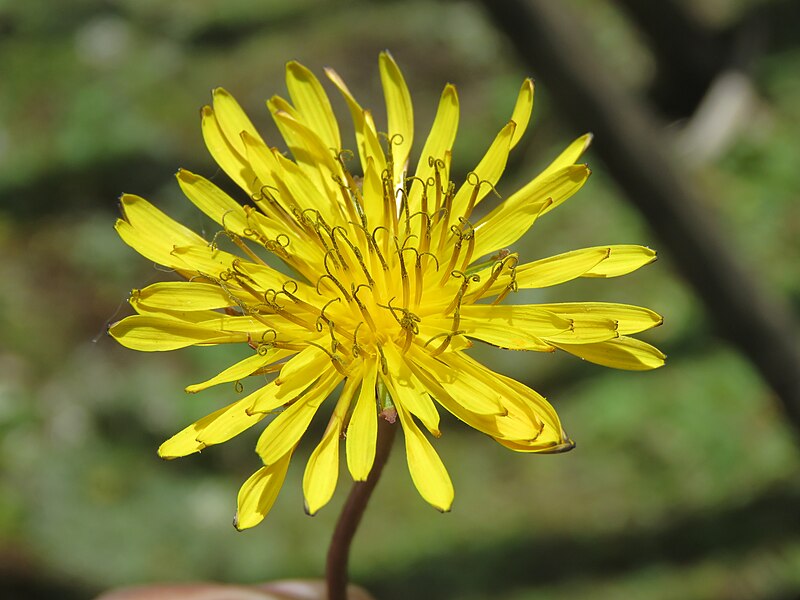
pixel 538 447
pixel 225 154
pixel 182 296
pixel 399 112
pixel 264 164
pixel 434 330
pixel 223 424
pixel 522 110
pixel 440 141
pixel 372 191
pixel 258 493
pixel 185 441
pixel 312 103
pixel 427 470
pixel 286 391
pixel 609 261
pixel 522 403
pixel 517 327
pixel 295 189
pixel 240 327
pixel 629 319
pixel 560 268
pixel 311 156
pixel 230 423
pixel 271 397
pixel 204 258
pixel 215 203
pixel 154 334
pixel 322 472
pixel 462 396
pixel 520 398
pixel 622 353
pixel 471 393
pixel 263 277
pixel 254 329
pixel 586 329
pixel 622 259
pixel 309 360
pixel 356 112
pixel 485 175
pixel 308 149
pixel 243 368
pixel 509 221
pixel 406 390
pixel 322 469
pixel 568 157
pixel 152 233
pixel 362 430
pixel 289 426
pixel 232 119
pixel 372 144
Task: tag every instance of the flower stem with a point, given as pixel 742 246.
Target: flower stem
pixel 339 551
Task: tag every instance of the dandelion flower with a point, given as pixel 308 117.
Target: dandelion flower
pixel 391 281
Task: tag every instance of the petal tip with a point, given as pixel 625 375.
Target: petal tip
pixel 184 175
pixel 565 446
pixel 444 508
pixel 307 509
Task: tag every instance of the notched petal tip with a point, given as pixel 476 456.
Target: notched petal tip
pixel 334 76
pixel 564 446
pixel 128 199
pixel 186 176
pixel 110 326
pixel 220 92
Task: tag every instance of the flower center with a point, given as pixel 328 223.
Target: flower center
pixel 388 264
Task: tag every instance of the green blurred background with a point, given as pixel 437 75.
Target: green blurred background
pixel 684 483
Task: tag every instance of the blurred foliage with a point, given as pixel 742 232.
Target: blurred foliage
pixel 99 85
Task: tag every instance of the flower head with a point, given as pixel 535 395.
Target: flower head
pixel 390 282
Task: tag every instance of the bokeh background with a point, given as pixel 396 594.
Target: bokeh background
pixel 684 483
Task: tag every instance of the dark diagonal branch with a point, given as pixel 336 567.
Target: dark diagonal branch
pixel 688 53
pixel 636 154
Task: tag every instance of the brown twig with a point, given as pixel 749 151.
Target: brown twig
pixel 353 511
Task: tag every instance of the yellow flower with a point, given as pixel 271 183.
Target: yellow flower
pixel 391 281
